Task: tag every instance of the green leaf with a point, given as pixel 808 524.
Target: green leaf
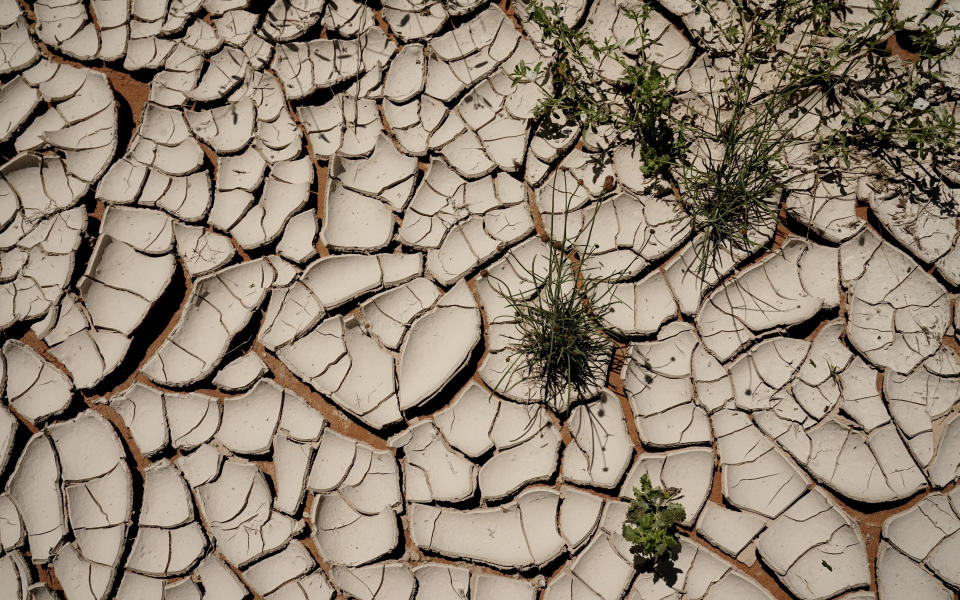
pixel 650 525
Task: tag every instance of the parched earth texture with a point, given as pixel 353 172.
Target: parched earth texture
pixel 250 258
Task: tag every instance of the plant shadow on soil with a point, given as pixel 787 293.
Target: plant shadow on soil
pixel 663 568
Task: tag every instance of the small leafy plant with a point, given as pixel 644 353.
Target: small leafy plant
pixel 651 522
pixel 633 107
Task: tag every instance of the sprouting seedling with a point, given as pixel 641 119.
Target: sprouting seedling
pixel 651 521
pixel 835 374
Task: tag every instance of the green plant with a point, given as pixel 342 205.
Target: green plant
pixel 897 107
pixel 562 348
pixel 732 182
pixel 801 75
pixel 835 70
pixel 634 107
pixel 651 521
pixel 732 191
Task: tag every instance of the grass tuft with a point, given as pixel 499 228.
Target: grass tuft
pixel 562 347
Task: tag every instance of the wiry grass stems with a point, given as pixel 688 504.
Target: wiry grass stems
pixel 733 189
pixel 562 349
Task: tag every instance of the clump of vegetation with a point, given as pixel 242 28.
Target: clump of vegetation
pixel 651 522
pixel 835 75
pixel 562 348
pixel 636 106
pixel 898 105
pixel 795 79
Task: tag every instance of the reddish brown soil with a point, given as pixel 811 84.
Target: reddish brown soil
pixel 132 94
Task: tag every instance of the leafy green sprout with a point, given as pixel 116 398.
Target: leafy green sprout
pixel 635 106
pixel 651 522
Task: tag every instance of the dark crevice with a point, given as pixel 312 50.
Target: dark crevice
pixel 150 330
